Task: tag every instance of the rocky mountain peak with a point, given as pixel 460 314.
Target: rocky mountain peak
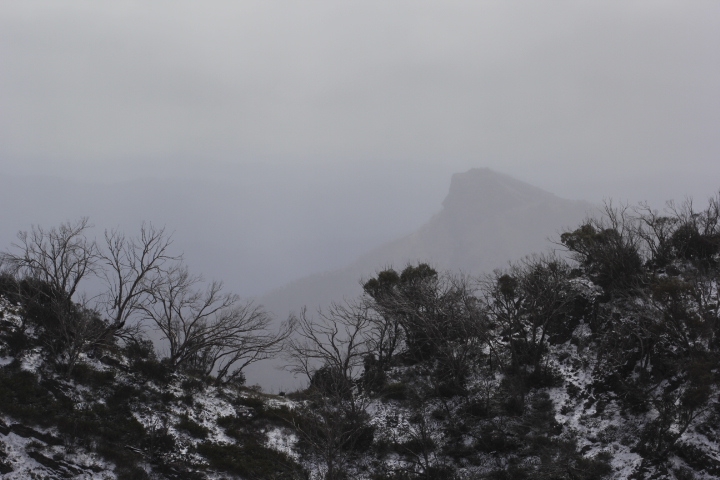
pixel 486 190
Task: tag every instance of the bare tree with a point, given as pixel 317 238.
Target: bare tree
pixel 697 236
pixel 335 430
pixel 206 328
pixel 430 316
pixel 61 257
pixel 251 342
pixel 421 432
pixel 384 336
pixel 609 249
pixel 58 259
pixel 78 328
pixel 329 350
pixel 335 341
pixel 655 231
pixel 134 269
pixel 529 302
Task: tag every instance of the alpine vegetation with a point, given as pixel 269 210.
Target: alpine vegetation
pixel 600 361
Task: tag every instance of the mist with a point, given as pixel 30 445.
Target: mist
pixel 559 92
pixel 277 141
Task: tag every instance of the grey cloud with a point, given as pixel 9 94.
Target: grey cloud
pixel 279 139
pixel 502 83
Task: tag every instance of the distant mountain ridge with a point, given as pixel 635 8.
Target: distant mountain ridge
pixel 487 219
pixel 603 368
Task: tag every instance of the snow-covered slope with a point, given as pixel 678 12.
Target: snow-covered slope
pixel 606 366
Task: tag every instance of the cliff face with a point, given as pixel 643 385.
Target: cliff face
pixel 487 220
pixel 483 190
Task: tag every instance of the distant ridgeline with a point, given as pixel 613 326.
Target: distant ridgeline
pixel 604 364
pixel 487 220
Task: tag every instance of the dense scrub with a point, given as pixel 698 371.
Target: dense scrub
pixel 604 363
pixel 601 364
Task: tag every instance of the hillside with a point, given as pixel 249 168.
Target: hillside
pixel 605 365
pixel 487 220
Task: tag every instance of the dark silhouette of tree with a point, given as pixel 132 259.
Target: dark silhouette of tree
pixel 133 269
pixel 51 265
pixel 335 341
pixel 329 351
pixel 609 248
pixel 61 257
pixel 207 330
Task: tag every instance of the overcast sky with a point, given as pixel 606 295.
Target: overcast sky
pixel 277 139
pixel 581 97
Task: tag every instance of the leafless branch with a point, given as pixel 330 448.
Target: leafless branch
pixel 336 340
pixel 61 257
pixel 207 329
pixel 134 268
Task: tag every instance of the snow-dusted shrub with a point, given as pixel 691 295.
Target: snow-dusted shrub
pixel 251 460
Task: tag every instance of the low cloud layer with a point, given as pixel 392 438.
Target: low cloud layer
pixel 559 92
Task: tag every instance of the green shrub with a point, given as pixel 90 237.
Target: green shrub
pixel 152 369
pixel 610 256
pixel 281 415
pixel 125 460
pixel 192 385
pixel 8 287
pixel 689 243
pixel 122 395
pixel 193 428
pixel 399 475
pixel 158 441
pixel 229 421
pixel 251 460
pixel 458 451
pixel 233 426
pixel 595 468
pixel 544 377
pixel 22 397
pixel 87 375
pixel 104 428
pixel 167 397
pixel 15 341
pixel 439 472
pixel 514 405
pixel 394 391
pixel 450 388
pixel 131 472
pixel 139 349
pixel 475 409
pixel 494 440
pixel 513 472
pixel 416 446
pixel 252 401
